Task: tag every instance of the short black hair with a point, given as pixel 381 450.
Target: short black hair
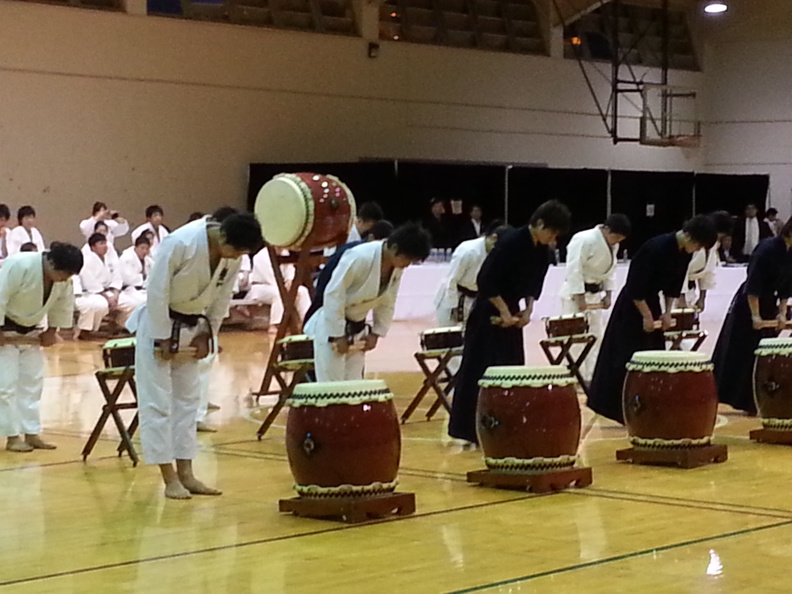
pixel 381 229
pixel 411 241
pixel 142 239
pixel 98 206
pixel 154 209
pixel 194 216
pixel 222 213
pixel 370 211
pixel 502 230
pixel 96 238
pixel 619 224
pixel 28 247
pixel 554 215
pixel 100 224
pixel 724 222
pixel 5 212
pixel 242 231
pixel 25 211
pixel 701 229
pixel 771 211
pixel 65 257
pixel 492 228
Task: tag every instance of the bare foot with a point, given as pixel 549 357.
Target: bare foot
pixel 37 443
pixel 15 444
pixel 202 427
pixel 196 487
pixel 176 490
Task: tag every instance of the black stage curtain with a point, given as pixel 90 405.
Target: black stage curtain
pixel 716 191
pixel 635 193
pixel 584 191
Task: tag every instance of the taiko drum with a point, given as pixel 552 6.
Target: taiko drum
pixel 773 383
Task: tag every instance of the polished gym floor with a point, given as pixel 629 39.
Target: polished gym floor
pixel 102 525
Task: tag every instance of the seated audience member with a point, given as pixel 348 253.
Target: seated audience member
pixel 116 226
pixel 264 288
pixel 25 232
pixel 437 225
pixel 772 220
pixel 725 252
pixel 135 264
pixel 368 214
pixel 154 216
pixel 101 227
pixel 28 247
pixel 5 215
pixel 749 230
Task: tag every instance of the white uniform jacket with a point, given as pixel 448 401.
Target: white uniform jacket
pixel 701 269
pixel 18 236
pixel 158 239
pixel 114 228
pixel 589 260
pixel 465 265
pixel 99 275
pixel 22 294
pixel 134 272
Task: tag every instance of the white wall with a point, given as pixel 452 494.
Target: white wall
pixel 137 110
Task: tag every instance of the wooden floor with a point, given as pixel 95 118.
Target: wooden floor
pixel 103 526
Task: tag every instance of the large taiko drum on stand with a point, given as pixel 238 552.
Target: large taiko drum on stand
pixel 773 383
pixel 528 419
pixel 343 439
pixel 670 400
pixel 297 209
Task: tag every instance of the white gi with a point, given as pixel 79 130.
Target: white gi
pixel 354 235
pixel 264 288
pixel 134 275
pixel 22 366
pixel 465 265
pixel 114 228
pixel 700 273
pixel 590 260
pixel 353 291
pixel 18 236
pixel 168 391
pixel 159 235
pixel 97 276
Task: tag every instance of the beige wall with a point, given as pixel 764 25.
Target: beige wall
pixel 136 110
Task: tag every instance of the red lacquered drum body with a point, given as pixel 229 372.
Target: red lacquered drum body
pixel 528 419
pixel 343 439
pixel 773 383
pixel 567 325
pixel 670 399
pixel 297 209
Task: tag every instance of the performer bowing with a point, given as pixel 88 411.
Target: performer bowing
pixel 700 276
pixel 761 298
pixel 513 271
pixel 658 267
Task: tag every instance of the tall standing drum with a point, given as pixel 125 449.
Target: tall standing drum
pixel 528 419
pixel 297 209
pixel 773 384
pixel 670 400
pixel 343 439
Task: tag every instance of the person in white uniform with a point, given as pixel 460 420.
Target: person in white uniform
pixel 116 225
pixel 264 289
pixel 25 232
pixel 154 216
pixel 456 294
pixel 366 280
pixel 98 288
pixel 5 216
pixel 135 264
pixel 187 297
pixel 703 266
pixel 35 290
pixel 590 267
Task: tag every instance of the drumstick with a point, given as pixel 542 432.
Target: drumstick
pixel 599 305
pixel 659 324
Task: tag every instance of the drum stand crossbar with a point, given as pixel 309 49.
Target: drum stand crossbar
pixel 771 436
pixel 682 457
pixel 351 510
pixel 674 339
pixel 545 482
pixel 564 345
pixel 440 379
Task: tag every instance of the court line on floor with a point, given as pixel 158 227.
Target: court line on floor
pixel 50 464
pixel 622 557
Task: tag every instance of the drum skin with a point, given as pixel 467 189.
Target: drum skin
pixel 344 444
pixel 670 406
pixel 526 422
pixel 773 386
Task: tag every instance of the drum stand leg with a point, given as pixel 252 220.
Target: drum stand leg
pixel 544 482
pixel 351 510
pixel 682 457
pixel 565 354
pixel 285 394
pixel 432 379
pixel 771 436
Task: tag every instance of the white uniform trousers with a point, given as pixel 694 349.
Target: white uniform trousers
pixel 21 383
pixel 269 295
pixel 596 327
pixel 328 364
pixel 205 371
pixel 92 310
pixel 168 398
pixel 128 301
pixel 262 294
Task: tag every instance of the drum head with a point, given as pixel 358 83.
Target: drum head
pixel 669 357
pixel 282 208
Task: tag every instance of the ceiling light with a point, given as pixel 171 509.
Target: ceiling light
pixel 715 7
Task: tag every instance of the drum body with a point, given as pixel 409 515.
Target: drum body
pixel 773 383
pixel 119 352
pixel 343 439
pixel 670 399
pixel 566 325
pixel 297 348
pixel 297 209
pixel 528 419
pixel 442 338
pixel 686 319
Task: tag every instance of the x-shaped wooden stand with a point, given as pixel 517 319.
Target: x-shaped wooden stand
pixel 440 379
pixel 674 339
pixel 564 345
pixel 123 376
pixel 299 370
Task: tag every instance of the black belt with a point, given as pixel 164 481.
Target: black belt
pixel 593 287
pixel 691 285
pixel 189 320
pixel 354 328
pixel 465 292
pixel 12 326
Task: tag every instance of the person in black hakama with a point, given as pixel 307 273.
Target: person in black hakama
pixel 658 267
pixel 514 270
pixel 761 298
